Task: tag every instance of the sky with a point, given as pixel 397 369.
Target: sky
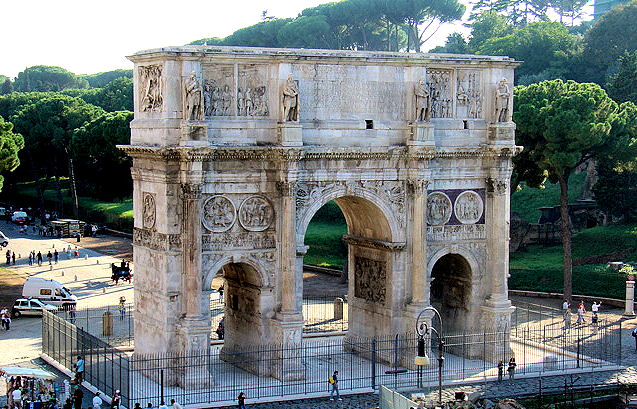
pixel 89 36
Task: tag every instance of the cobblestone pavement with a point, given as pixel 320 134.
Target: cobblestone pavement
pixel 362 401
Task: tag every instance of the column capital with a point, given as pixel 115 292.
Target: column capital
pixel 191 191
pixel 286 188
pixel 497 186
pixel 417 186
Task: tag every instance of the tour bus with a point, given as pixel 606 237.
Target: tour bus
pixel 49 292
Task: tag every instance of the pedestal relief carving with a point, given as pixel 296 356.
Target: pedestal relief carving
pixel 256 213
pixel 219 214
pixel 150 88
pixel 370 278
pixel 438 208
pixel 468 207
pixel 149 211
pixel 469 95
pixel 440 91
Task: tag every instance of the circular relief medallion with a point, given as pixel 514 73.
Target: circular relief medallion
pixel 438 208
pixel 149 211
pixel 219 213
pixel 468 207
pixel 256 213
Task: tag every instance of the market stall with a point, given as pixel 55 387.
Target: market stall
pixel 36 386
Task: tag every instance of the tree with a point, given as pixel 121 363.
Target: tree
pixel 7 87
pixel 608 39
pixel 623 85
pixel 486 25
pixel 45 78
pixel 565 124
pixel 100 79
pixel 571 9
pixel 10 144
pixel 455 44
pixel 94 148
pixel 519 12
pixel 48 127
pixel 263 34
pixel 306 32
pixel 544 47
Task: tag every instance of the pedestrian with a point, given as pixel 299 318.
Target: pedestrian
pixel 241 400
pixel 148 405
pixel 580 312
pixel 16 395
pixel 162 405
pixel 567 319
pixel 220 291
pixel 13 257
pixel 79 370
pixel 30 258
pixel 39 258
pixel 137 406
pixel 333 380
pixel 511 368
pixel 174 405
pixel 116 400
pixel 595 309
pixel 122 308
pixel 566 305
pixel 49 256
pixel 8 254
pixel 56 256
pixel 634 333
pixel 500 370
pixel 7 321
pixel 72 313
pixel 78 395
pixel 97 402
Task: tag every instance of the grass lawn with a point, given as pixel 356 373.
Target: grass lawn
pixel 541 269
pixel 527 201
pixel 326 248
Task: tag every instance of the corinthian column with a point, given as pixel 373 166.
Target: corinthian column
pixel 419 243
pixel 191 250
pixel 497 213
pixel 289 275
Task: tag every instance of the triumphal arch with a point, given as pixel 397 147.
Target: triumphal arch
pixel 235 149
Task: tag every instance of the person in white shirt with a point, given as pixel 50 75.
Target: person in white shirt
pixel 174 405
pixel 566 305
pixel 16 395
pixel 97 402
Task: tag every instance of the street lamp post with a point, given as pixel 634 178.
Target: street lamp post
pixel 422 359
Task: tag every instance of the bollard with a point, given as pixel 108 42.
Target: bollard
pixel 62 273
pixel 338 309
pixel 86 257
pixel 19 255
pixel 97 261
pixel 103 290
pixel 107 324
pixel 75 277
pixel 50 267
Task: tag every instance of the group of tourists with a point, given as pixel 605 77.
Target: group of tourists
pixel 510 369
pixel 10 257
pixel 581 310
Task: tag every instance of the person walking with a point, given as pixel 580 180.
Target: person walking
pixel 56 256
pixel 30 258
pixel 122 308
pixel 72 313
pixel 241 400
pixel 49 256
pixel 16 396
pixel 511 368
pixel 13 257
pixel 8 254
pixel 567 319
pixel 580 312
pixel 79 370
pixel 220 291
pixel 39 258
pixel 97 402
pixel 78 395
pixel 116 400
pixel 174 405
pixel 595 310
pixel 500 370
pixel 333 380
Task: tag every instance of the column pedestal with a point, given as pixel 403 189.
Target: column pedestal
pixel 630 299
pixel 194 133
pixel 286 360
pixel 422 134
pixel 290 134
pixel 497 330
pixel 194 352
pixel 502 133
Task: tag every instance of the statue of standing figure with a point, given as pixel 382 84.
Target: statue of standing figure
pixel 502 97
pixel 194 96
pixel 423 101
pixel 290 100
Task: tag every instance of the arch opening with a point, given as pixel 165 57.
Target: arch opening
pixel 451 291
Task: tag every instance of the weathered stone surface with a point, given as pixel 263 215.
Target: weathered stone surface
pixel 236 149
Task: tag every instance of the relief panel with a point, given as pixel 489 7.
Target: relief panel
pixel 252 93
pixel 441 93
pixel 370 279
pixel 219 90
pixel 469 94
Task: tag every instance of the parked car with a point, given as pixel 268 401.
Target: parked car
pixel 48 291
pixel 4 240
pixel 30 306
pixel 20 217
pixel 4 213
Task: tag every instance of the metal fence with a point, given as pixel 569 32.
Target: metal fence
pixel 105 367
pixel 118 330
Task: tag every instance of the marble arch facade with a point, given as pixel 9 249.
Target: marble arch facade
pixel 235 149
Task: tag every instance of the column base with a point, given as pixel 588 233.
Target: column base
pixel 290 134
pixel 288 338
pixel 497 330
pixel 193 335
pixel 422 134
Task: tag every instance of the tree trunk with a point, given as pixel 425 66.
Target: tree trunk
pixel 38 184
pixel 566 237
pixel 76 212
pixel 59 209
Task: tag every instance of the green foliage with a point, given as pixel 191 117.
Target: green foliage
pixel 306 32
pixel 117 95
pixel 544 47
pixel 100 80
pixel 93 147
pixel 326 248
pixel 10 104
pixel 608 39
pixel 455 44
pixel 10 144
pixel 7 87
pixel 623 85
pixel 45 78
pixel 486 25
pixel 263 34
pixel 527 200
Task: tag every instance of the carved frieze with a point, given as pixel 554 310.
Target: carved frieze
pixel 217 99
pixel 456 232
pixel 256 213
pixel 252 93
pixel 157 241
pixel 469 95
pixel 370 279
pixel 149 210
pixel 238 240
pixel 468 207
pixel 438 208
pixel 219 213
pixel 150 88
pixel 440 91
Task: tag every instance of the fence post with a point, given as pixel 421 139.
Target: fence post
pixel 578 344
pixel 161 384
pixel 374 364
pixel 620 342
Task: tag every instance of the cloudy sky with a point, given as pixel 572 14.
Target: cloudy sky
pixel 87 36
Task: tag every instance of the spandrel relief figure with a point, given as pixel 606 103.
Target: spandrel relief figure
pixel 502 97
pixel 194 98
pixel 290 100
pixel 423 101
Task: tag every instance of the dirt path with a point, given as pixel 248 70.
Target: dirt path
pixel 118 247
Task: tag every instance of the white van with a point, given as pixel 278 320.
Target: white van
pixel 48 291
